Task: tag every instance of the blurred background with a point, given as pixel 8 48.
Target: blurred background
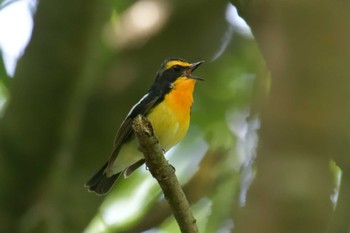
pixel 267 150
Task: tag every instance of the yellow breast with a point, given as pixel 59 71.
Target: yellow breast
pixel 171 118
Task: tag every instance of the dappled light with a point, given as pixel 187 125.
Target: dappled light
pixel 137 24
pixel 245 127
pixel 238 22
pixel 16 25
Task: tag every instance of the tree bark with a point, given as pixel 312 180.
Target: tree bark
pixel 164 173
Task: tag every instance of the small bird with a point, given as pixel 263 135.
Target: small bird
pixel 167 105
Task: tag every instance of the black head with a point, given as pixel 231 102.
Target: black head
pixel 174 68
pixel 170 71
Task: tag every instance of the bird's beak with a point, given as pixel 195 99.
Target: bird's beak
pixel 192 68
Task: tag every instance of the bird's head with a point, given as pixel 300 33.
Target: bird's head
pixel 175 68
pixel 174 71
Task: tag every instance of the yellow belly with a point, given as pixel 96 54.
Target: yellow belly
pixel 169 127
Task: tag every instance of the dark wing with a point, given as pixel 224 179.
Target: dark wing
pixel 100 183
pixel 125 131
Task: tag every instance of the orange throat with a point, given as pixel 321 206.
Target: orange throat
pixel 180 98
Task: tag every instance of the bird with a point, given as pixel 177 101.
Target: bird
pixel 167 105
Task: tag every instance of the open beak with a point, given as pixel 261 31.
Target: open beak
pixel 192 68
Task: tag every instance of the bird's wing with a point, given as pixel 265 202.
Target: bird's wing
pixel 143 107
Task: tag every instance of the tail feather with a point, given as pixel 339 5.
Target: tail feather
pixel 100 183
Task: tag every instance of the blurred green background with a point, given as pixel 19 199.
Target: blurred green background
pixel 88 62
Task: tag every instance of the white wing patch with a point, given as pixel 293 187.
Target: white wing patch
pixel 133 107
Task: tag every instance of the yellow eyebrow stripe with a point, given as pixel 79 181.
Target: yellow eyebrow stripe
pixel 176 62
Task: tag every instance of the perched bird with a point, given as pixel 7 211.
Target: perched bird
pixel 167 106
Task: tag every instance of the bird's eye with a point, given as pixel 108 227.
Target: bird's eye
pixel 176 68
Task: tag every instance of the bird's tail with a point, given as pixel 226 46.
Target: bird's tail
pixel 100 183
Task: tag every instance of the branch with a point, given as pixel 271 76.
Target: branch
pixel 164 173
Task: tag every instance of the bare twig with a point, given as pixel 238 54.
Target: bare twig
pixel 164 173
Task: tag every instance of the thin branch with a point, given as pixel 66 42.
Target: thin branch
pixel 164 173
